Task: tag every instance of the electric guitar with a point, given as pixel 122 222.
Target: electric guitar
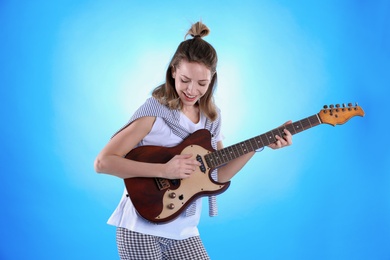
pixel 162 200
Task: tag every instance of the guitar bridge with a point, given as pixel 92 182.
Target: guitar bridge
pixel 162 184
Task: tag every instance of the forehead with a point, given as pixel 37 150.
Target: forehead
pixel 193 70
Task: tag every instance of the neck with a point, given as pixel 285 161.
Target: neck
pixel 192 112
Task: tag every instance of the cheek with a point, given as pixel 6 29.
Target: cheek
pixel 203 90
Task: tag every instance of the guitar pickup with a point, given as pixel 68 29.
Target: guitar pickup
pixel 201 167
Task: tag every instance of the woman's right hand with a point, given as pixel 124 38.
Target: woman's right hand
pixel 180 167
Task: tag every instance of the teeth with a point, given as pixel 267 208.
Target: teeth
pixel 189 96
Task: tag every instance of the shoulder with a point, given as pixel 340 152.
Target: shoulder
pixel 154 104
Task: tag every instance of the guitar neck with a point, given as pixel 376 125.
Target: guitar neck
pixel 223 156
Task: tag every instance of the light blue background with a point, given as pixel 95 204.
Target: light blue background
pixel 73 72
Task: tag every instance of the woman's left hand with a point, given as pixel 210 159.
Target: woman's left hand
pixel 286 140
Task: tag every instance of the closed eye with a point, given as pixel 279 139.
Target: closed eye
pixel 203 83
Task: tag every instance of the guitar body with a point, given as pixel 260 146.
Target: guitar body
pixel 162 200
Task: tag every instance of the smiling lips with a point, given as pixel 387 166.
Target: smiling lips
pixel 189 98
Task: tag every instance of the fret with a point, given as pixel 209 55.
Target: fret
pixel 298 127
pixel 278 132
pixel 270 137
pixel 222 156
pixel 217 157
pixel 229 153
pixel 253 144
pixel 235 151
pixel 258 141
pixel 244 147
pixel 291 129
pixel 308 120
pixel 209 161
pixel 302 128
pixel 306 123
pixel 226 155
pixel 314 120
pixel 264 139
pixel 239 149
pixel 303 123
pixel 250 144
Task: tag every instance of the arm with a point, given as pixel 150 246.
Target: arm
pixel 111 159
pixel 228 171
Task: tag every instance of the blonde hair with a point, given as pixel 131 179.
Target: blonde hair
pixel 192 50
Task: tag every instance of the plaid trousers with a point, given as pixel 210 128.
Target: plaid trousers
pixel 138 246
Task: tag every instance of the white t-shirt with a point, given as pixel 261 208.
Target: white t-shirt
pixel 182 227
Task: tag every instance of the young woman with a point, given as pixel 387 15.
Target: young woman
pixel 177 108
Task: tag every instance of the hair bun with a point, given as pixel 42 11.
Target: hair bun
pixel 198 30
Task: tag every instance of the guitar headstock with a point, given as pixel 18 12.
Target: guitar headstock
pixel 338 115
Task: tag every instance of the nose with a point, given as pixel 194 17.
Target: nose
pixel 190 87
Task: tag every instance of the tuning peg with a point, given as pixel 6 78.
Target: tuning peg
pixel 331 106
pixel 325 106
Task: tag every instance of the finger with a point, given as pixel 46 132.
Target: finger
pixel 275 145
pixel 288 137
pixel 190 166
pixel 190 161
pixel 280 142
pixel 188 172
pixel 286 132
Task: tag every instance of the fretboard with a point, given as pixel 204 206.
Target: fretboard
pixel 223 156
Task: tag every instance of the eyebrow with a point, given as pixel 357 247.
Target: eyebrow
pixel 191 79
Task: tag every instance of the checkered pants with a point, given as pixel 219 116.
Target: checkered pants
pixel 137 246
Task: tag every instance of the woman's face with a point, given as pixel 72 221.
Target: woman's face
pixel 192 81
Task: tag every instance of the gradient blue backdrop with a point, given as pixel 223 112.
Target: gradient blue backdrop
pixel 73 72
